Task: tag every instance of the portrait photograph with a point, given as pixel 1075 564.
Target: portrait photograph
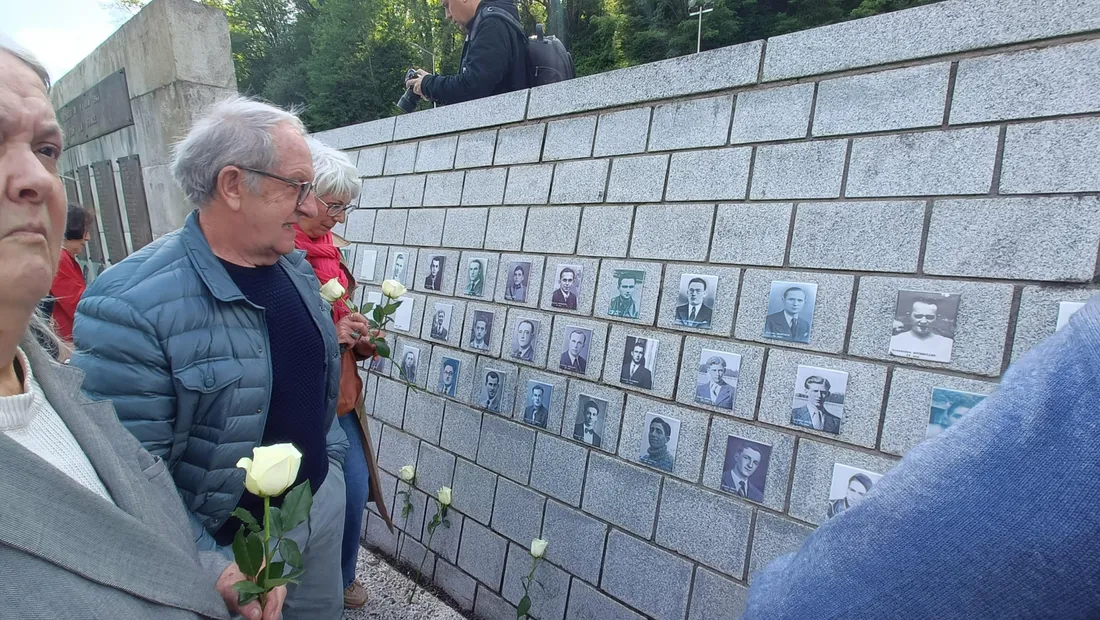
pixel 535 409
pixel 1066 310
pixel 368 260
pixel 695 304
pixel 948 407
pixel 588 425
pixel 441 321
pixel 490 389
pixel 524 339
pixel 745 469
pixel 379 364
pixel 790 311
pixel 400 267
pixel 716 378
pixel 924 325
pixel 410 358
pixel 402 318
pixel 819 399
pixel 659 442
pixel 347 254
pixel 574 351
pixel 567 288
pixel 475 281
pixel 481 329
pixel 448 376
pixel 519 278
pixel 848 487
pixel 434 280
pixel 628 293
pixel 639 361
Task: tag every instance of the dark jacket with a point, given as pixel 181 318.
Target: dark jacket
pixel 494 59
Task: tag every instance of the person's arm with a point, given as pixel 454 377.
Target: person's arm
pixel 486 65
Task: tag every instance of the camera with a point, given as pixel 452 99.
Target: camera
pixel 409 100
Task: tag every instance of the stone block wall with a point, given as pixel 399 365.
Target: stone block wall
pixel 949 148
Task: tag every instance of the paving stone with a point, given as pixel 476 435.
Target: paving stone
pixel 360 134
pixel 476 149
pixel 778 463
pixel 622 494
pixel 637 179
pixel 461 430
pixel 484 187
pixel 1052 156
pixel 691 124
pixel 924 164
pixel 444 189
pixel 541 344
pixel 389 226
pixel 829 312
pixel 813 473
pixel 849 235
pixel 559 344
pixel 489 606
pixel 751 234
pixel 360 225
pixel 714 597
pixel 772 114
pixel 506 448
pixel 424 413
pixel 437 154
pixel 390 402
pixel 580 390
pixel 605 231
pixel 576 540
pixel 529 185
pixel 579 182
pixel 507 375
pixel 772 537
pixel 705 527
pixel 608 290
pixel 746 381
pixel 457 584
pixel 517 512
pixel 396 449
pixel 623 132
pixel 654 581
pixel 370 162
pixel 425 227
pixel 559 468
pixel 909 408
pixel 505 228
pixel 534 277
pixel 465 228
pixel 660 231
pixel 587 603
pixel 883 101
pixel 473 491
pixel 487 112
pixel 549 590
pixel 489 277
pixel 570 138
pixel 482 554
pixel 662 369
pixel 496 330
pixel 552 230
pixel 719 174
pixel 721 297
pixel 1038 314
pixel 400 158
pixel 798 170
pixel 519 145
pixel 454 331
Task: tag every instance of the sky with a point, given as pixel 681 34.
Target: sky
pixel 59 32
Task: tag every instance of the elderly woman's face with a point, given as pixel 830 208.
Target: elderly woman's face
pixel 320 224
pixel 32 205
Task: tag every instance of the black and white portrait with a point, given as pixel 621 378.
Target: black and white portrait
pixel 1066 310
pixel 481 329
pixel 519 276
pixel 696 301
pixel 639 361
pixel 535 410
pixel 628 293
pixel 924 325
pixel 475 282
pixel 574 354
pixel 402 318
pixel 848 487
pixel 400 266
pixel 434 280
pixel 410 358
pixel 441 321
pixel 379 364
pixel 490 390
pixel 791 311
pixel 659 442
pixel 819 399
pixel 368 260
pixel 448 376
pixel 568 287
pixel 716 378
pixel 588 425
pixel 948 407
pixel 524 339
pixel 745 469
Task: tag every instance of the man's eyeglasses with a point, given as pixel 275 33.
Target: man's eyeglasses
pixel 335 208
pixel 304 187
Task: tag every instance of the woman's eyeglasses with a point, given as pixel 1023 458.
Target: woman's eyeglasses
pixel 335 208
pixel 304 187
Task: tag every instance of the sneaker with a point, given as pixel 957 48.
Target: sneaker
pixel 355 595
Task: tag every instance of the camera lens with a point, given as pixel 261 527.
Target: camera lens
pixel 408 101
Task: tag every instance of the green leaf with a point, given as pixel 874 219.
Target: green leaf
pixel 247 518
pixel 377 314
pixel 246 598
pixel 524 606
pixel 276 518
pixel 367 307
pixel 248 551
pixel 274 571
pixel 390 309
pixel 247 587
pixel 296 506
pixel 291 577
pixel 291 553
pixel 447 522
pixel 383 349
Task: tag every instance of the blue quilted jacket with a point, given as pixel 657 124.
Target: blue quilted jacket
pixel 169 337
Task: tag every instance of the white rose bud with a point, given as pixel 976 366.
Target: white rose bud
pixel 407 473
pixel 444 496
pixel 393 289
pixel 332 291
pixel 538 547
pixel 271 470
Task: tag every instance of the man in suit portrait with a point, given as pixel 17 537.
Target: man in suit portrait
pixel 858 486
pixel 715 391
pixel 490 394
pixel 815 414
pixel 398 267
pixel 476 283
pixel 564 297
pixel 634 371
pixel 736 479
pixel 694 313
pixel 571 358
pixel 479 336
pixel 408 366
pixel 517 285
pixel 524 348
pixel 448 377
pixel 536 412
pixel 623 304
pixel 786 324
pixel 434 280
pixel 586 431
pixel 439 329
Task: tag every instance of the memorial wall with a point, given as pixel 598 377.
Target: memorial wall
pixel 673 317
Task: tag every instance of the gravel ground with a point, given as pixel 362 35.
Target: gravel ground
pixel 388 590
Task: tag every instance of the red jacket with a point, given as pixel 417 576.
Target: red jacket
pixel 67 287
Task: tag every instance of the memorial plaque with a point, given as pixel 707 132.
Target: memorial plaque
pixel 108 210
pixel 84 178
pixel 97 111
pixel 71 193
pixel 137 207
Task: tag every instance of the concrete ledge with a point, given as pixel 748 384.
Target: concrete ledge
pixel 362 134
pixel 488 112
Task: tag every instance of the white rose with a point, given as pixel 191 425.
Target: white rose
pixel 444 496
pixel 332 291
pixel 271 470
pixel 407 473
pixel 538 547
pixel 393 289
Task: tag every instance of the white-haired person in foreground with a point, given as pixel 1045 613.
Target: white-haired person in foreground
pixel 214 339
pixel 91 525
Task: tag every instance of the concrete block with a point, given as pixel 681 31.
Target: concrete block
pixel 691 442
pixel 370 383
pixel 506 448
pixel 424 414
pixel 663 367
pixel 830 313
pixel 691 124
pixel 412 524
pixel 798 170
pixel 554 402
pixel 941 28
pixel 507 376
pixel 410 258
pixel 1038 314
pixel 570 138
pixel 722 298
pixel 465 376
pixel 444 189
pixel 588 268
pixel 474 490
pixel 623 132
pixel 862 399
pixel 884 101
pixel 360 134
pixel 389 226
pixel 813 473
pixel 437 154
pixel 777 477
pixel 712 70
pixel 622 494
pixel 980 326
pixel 714 597
pixel 587 603
pixel 408 191
pixel 534 277
pixel 519 145
pixel 370 162
pixel 924 164
pixel 449 269
pixel 910 406
pixel 1015 238
pixel 1003 87
pixel 528 185
pixel 751 234
pixel 772 114
pixel 465 228
pixel 360 225
pixel 647 291
pixel 654 581
pixel 605 231
pixel 852 235
pixel 719 174
pixel 578 391
pixel 559 344
pixel 552 230
pixel 484 187
pixel 662 231
pixel 549 591
pixel 376 193
pixel 1052 156
pixel 577 540
pixel 434 469
pixel 489 606
pixel 517 513
pixel 457 584
pixel 705 527
pixel 772 537
pixel 489 278
pixel 461 430
pixel 487 112
pixel 425 227
pixel 495 332
pixel 387 482
pixel 505 228
pixel 454 330
pixel 476 149
pixel 637 179
pixel 482 554
pixel 559 468
pixel 396 449
pixel 541 344
pixel 747 379
pixel 379 536
pixel 400 158
pixel 391 402
pixel 579 182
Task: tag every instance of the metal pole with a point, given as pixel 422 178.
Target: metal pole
pixel 699 39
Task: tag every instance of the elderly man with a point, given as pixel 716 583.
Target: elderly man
pixel 214 339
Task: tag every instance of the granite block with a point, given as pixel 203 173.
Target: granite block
pixel 554 402
pixel 489 606
pixel 476 149
pixel 377 193
pixel 389 226
pixel 454 328
pixel 360 134
pixel 559 345
pixel 849 235
pixel 691 124
pixel 506 448
pixel 456 584
pixel 474 490
pixel 645 292
pixel 552 230
pixel 580 392
pixel 540 341
pixel 559 468
pixel 528 185
pixel 412 554
pixel 772 114
pixel 506 374
pixel 605 231
pixel 424 414
pixel 883 101
pixel 623 132
pixel 412 524
pixel 649 579
pixel 484 187
pixel 408 191
pixel 444 189
pixel 622 494
pixel 663 231
pixel 461 430
pixel 465 228
pixel 448 270
pixel 488 262
pixel 928 163
pixel 772 537
pixel 549 590
pixel 396 449
pixel 378 536
pixel 587 268
pixel 719 174
pixel 662 366
pixel 637 179
pixel 580 182
pixel 714 597
pixel 751 234
pixel 505 228
pixel 400 158
pixel 1038 314
pixel 576 540
pixel 434 469
pixel 359 225
pixel 570 138
pixel 519 145
pixel 746 381
pixel 517 512
pixel 482 554
pixel 371 161
pixel 909 408
pixel 425 227
pixel 705 526
pixel 779 461
pixel 830 311
pixel 813 473
pixel 390 402
pixel 495 331
pixel 1052 157
pixel 587 603
pixel 486 112
pixel 798 170
pixel 437 154
pixel 721 297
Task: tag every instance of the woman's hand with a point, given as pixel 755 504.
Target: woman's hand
pixel 351 329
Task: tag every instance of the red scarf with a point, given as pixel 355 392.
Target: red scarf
pixel 325 259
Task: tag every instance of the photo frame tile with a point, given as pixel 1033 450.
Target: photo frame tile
pixel 790 316
pixel 813 476
pixel 924 325
pixel 777 475
pixel 443 282
pixel 477 275
pixel 948 407
pixel 409 316
pixel 660 368
pixel 462 374
pixel 1066 309
pixel 659 443
pixel 454 312
pixel 818 401
pixel 745 468
pixel 694 361
pixel 370 261
pixel 908 408
pixel 348 253
pixel 1037 317
pixel 494 387
pixel 581 284
pixel 506 291
pixel 401 266
pixel 848 486
pixel 716 374
pixel 579 392
pixel 422 352
pixel 832 302
pixel 381 365
pixel 690 438
pixel 517 281
pixel 553 400
pixel 483 339
pixel 527 337
pixel 645 295
pixel 719 298
pixel 566 357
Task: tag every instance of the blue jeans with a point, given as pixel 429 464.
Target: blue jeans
pixel 357 479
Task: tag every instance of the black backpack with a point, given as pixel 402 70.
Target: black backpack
pixel 547 58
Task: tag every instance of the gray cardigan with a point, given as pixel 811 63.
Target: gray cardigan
pixel 68 553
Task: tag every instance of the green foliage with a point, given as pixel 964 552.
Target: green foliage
pixel 255 548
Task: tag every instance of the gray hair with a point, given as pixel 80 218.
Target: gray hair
pixel 333 174
pixel 236 132
pixel 27 58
